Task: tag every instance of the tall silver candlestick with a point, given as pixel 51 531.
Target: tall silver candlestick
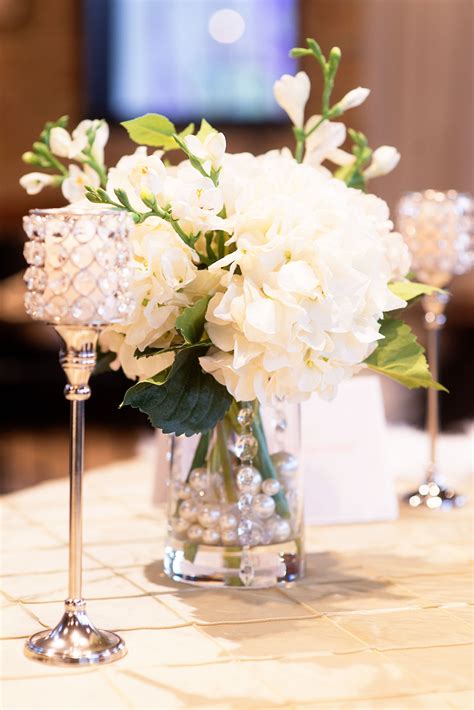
pixel 437 227
pixel 78 281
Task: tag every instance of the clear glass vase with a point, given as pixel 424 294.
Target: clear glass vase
pixel 235 509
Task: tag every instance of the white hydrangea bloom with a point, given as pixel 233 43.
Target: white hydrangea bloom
pixel 315 258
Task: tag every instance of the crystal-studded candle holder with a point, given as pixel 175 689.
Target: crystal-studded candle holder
pixel 78 270
pixel 78 281
pixel 438 230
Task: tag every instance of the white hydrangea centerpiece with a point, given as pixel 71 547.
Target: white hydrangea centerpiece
pixel 256 277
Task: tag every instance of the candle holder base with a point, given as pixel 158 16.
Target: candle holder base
pixel 75 640
pixel 434 496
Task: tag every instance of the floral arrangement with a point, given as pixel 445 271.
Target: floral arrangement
pixel 256 277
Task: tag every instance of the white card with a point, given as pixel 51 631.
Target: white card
pixel 346 476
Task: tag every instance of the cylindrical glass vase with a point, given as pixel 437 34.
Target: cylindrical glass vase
pixel 235 509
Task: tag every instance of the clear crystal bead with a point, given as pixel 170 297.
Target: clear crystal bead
pixel 56 308
pixel 107 309
pixel 107 257
pixel 34 227
pixel 124 277
pixel 56 255
pixel 107 282
pixel 246 571
pixel 58 282
pixel 82 256
pixel 244 503
pixel 34 304
pixel 125 305
pixel 83 310
pixel 56 228
pixel 35 278
pixel 246 447
pixel 34 253
pixel 244 531
pixel 84 282
pixel 245 416
pixel 123 257
pixel 84 230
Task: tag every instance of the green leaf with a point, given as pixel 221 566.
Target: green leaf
pixel 152 129
pixel 409 290
pixel 205 130
pixel 191 321
pixel 400 357
pixel 184 400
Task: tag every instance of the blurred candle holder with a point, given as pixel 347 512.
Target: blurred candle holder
pixel 78 281
pixel 438 228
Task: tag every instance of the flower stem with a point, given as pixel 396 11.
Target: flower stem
pixel 225 462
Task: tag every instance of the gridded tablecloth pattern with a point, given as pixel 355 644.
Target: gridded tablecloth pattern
pixel 382 619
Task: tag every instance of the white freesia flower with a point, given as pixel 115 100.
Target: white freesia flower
pixel 315 258
pixel 212 149
pixel 33 183
pixel 63 145
pixel 73 187
pixel 165 279
pixel 292 93
pixel 384 160
pixel 323 144
pixel 353 98
pixel 195 201
pixel 101 137
pixel 135 173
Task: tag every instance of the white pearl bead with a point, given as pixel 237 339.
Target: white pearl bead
pixel 271 486
pixel 281 530
pixel 184 491
pixel 285 463
pixel 180 525
pixel 188 510
pixel 209 515
pixel 229 536
pixel 228 521
pixel 195 533
pixel 211 536
pixel 263 506
pixel 199 479
pixel 248 479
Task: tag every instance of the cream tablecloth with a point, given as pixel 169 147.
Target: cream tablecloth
pixel 382 619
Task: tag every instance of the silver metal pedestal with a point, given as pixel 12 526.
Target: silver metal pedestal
pixel 75 640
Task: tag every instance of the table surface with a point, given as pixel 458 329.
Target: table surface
pixel 383 618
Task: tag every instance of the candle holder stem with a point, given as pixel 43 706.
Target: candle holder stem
pixel 75 639
pixel 432 417
pixel 433 493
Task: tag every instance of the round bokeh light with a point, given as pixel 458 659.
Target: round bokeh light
pixel 226 26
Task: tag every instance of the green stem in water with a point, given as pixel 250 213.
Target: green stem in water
pixel 266 467
pixel 225 461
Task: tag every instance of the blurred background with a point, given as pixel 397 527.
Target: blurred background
pixel 115 59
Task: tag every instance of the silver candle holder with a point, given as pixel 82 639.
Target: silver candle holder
pixel 78 281
pixel 438 228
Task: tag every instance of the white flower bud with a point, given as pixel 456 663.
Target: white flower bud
pixel 353 98
pixel 384 160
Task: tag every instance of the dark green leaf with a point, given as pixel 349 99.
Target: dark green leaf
pixel 191 321
pixel 400 357
pixel 184 400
